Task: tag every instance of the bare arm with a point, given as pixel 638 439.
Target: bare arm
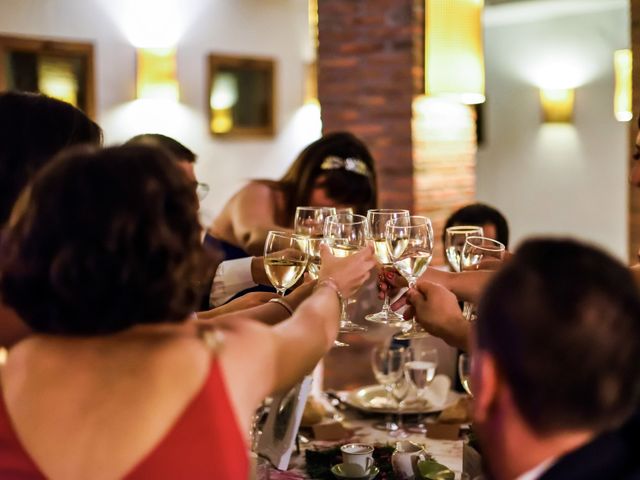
pixel 258 360
pixel 255 306
pixel 252 215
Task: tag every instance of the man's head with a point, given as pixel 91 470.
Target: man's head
pixel 185 157
pixel 558 330
pixel 481 215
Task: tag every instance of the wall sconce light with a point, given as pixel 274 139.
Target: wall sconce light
pixel 156 74
pixel 454 59
pixel 623 63
pixel 557 104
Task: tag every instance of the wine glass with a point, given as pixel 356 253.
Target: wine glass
pixel 455 238
pixel 410 245
pixel 419 370
pixel 285 259
pixel 478 250
pixel 346 234
pixel 387 365
pixel 309 222
pixel 400 391
pixel 464 371
pixel 378 219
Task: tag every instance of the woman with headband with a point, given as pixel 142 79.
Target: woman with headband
pixel 335 171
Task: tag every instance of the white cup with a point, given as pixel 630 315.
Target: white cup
pixel 404 459
pixel 359 457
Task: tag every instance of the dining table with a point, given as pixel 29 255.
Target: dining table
pixel 360 427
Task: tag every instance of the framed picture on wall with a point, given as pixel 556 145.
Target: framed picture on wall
pixel 241 97
pixel 60 69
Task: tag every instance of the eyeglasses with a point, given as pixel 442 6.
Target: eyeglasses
pixel 202 190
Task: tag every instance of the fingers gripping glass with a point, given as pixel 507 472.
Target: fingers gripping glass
pixel 346 234
pixel 378 219
pixel 285 259
pixel 410 245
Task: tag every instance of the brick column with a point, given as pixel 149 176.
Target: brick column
pixel 365 84
pixel 370 69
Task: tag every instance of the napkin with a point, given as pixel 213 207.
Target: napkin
pixel 437 392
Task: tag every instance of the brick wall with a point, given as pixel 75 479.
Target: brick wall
pixel 365 65
pixel 370 69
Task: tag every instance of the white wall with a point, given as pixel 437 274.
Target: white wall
pixel 546 178
pixel 272 28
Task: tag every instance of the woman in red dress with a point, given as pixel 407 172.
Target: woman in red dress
pixel 115 382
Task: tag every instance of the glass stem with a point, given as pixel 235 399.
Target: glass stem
pixel 386 307
pixel 344 317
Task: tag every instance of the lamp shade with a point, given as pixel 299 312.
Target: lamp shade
pixel 557 104
pixel 156 74
pixel 454 59
pixel 623 63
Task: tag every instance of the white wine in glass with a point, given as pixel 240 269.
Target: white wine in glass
pixel 410 244
pixel 455 238
pixel 285 259
pixel 378 219
pixel 309 222
pixel 346 234
pixel 477 250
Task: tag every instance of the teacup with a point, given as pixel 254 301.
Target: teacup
pixel 357 457
pixel 405 459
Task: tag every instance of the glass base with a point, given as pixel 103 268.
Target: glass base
pixel 389 318
pixel 350 327
pixel 338 343
pixel 386 426
pixel 409 334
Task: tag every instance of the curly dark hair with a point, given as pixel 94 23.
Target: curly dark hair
pixel 105 240
pixel 33 129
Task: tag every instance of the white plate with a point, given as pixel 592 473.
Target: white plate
pixel 374 399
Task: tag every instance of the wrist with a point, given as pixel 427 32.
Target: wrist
pixel 329 282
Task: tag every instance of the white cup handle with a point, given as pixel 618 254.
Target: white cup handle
pixel 369 464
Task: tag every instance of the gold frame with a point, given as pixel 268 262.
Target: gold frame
pixel 217 62
pixel 54 48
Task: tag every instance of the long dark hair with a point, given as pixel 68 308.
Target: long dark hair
pixel 356 187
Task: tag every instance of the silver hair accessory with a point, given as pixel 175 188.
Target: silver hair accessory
pixel 350 164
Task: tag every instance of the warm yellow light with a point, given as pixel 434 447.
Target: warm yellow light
pixel 57 79
pixel 557 104
pixel 623 63
pixel 454 60
pixel 157 74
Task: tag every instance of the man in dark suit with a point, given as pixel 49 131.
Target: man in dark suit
pixel 556 366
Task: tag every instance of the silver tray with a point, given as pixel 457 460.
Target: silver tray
pixel 374 399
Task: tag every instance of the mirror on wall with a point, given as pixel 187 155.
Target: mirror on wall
pixel 60 69
pixel 241 96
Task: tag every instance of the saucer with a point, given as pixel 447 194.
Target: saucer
pixel 338 472
pixel 432 470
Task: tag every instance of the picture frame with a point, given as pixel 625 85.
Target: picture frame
pixel 241 96
pixel 278 438
pixel 60 69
